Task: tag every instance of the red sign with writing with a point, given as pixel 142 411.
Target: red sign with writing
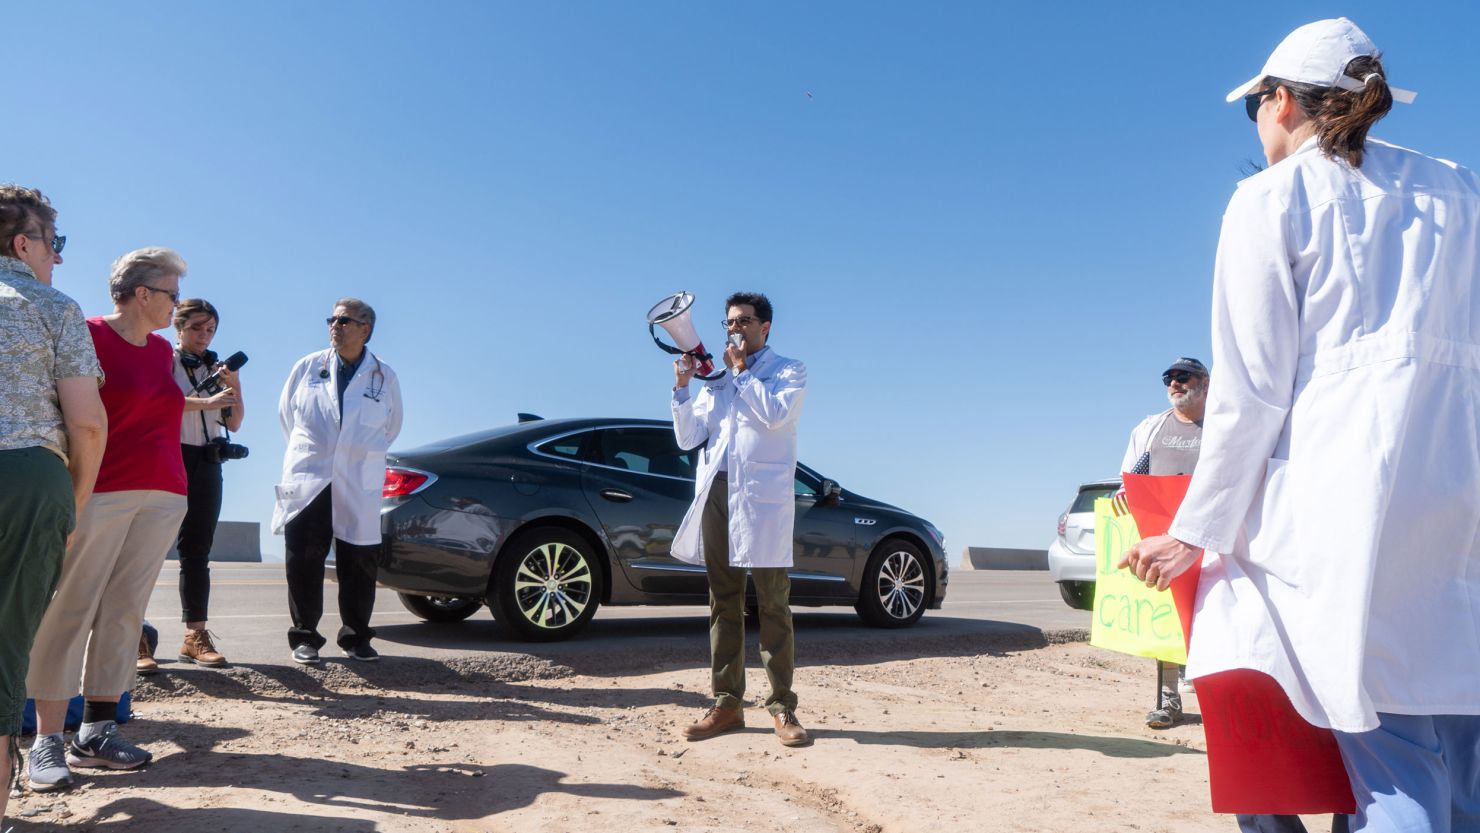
pixel 1263 757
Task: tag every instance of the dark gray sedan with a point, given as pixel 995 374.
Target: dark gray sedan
pixel 548 519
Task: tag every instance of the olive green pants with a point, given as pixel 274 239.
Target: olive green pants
pixel 37 512
pixel 727 613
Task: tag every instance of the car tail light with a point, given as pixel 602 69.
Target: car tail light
pixel 404 482
pixel 1063 521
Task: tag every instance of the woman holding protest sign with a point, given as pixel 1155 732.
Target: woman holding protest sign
pixel 1335 494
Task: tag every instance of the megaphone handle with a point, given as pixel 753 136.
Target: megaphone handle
pixel 666 347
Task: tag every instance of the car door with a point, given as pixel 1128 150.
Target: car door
pixel 640 484
pixel 826 556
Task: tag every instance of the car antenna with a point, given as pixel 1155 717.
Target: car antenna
pixel 523 417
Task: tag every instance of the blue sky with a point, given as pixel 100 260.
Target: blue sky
pixel 986 231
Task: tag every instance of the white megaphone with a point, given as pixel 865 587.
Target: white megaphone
pixel 672 314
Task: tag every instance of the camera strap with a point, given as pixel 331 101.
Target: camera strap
pixel 205 428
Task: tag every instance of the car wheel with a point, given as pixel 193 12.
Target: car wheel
pixel 547 584
pixel 439 609
pixel 1079 595
pixel 895 586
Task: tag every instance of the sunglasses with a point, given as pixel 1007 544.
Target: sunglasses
pixel 174 296
pixel 58 242
pixel 1176 376
pixel 1253 101
pixel 742 321
pixel 342 320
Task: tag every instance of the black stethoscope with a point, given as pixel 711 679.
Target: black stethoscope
pixel 376 387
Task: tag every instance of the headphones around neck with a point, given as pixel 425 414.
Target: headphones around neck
pixel 191 361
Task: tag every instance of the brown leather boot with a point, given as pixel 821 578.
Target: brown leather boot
pixel 790 731
pixel 145 663
pixel 199 649
pixel 716 721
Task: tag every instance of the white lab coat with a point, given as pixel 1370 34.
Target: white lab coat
pixel 749 421
pixel 321 451
pixel 1338 490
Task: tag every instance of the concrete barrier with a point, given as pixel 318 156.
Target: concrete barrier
pixel 235 541
pixel 999 558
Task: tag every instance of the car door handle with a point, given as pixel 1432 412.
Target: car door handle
pixel 616 495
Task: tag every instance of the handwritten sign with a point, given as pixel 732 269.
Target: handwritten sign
pixel 1130 617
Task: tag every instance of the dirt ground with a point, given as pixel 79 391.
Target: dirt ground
pixel 1020 733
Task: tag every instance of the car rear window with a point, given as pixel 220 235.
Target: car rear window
pixel 1085 502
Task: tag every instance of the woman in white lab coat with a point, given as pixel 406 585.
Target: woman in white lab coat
pixel 340 411
pixel 1338 492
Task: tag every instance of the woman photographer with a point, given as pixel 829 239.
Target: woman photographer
pixel 207 412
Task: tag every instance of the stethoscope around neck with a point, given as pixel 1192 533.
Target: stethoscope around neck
pixel 376 387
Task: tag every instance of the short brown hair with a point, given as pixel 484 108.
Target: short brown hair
pixel 1343 117
pixel 189 307
pixel 22 210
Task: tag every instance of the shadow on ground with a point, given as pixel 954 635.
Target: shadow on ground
pixel 1110 747
pixel 618 647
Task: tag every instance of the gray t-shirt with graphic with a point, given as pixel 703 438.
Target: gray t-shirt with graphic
pixel 1175 446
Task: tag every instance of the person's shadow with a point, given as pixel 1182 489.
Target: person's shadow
pixel 450 790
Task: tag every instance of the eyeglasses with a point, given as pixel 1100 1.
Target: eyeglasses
pixel 1176 376
pixel 58 242
pixel 742 321
pixel 342 320
pixel 174 296
pixel 1253 101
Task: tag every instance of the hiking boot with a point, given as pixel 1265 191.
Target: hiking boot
pixel 106 750
pixel 199 649
pixel 306 654
pixel 46 766
pixel 1168 713
pixel 146 664
pixel 716 721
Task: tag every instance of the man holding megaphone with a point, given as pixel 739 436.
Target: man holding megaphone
pixel 744 510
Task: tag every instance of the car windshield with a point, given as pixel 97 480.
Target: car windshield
pixel 1085 502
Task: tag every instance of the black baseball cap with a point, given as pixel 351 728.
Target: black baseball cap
pixel 1186 363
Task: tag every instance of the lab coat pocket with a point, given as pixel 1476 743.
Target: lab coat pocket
pixel 373 471
pixel 1273 525
pixel 769 482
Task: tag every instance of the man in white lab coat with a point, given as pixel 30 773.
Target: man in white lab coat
pixel 744 510
pixel 340 411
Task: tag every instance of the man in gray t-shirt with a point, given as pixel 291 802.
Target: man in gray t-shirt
pixel 1168 443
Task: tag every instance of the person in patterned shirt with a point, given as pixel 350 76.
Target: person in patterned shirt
pixel 52 431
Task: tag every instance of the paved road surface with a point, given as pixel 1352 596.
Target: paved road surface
pixel 983 610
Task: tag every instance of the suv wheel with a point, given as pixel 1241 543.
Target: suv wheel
pixel 1079 595
pixel 438 608
pixel 895 586
pixel 546 585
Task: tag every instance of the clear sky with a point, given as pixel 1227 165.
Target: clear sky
pixel 986 228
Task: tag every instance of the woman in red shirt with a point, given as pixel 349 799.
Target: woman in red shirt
pixel 88 637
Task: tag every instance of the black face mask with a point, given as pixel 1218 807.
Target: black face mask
pixel 191 361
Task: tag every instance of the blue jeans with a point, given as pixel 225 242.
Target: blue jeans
pixel 1415 774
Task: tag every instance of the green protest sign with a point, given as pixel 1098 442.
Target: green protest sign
pixel 1130 617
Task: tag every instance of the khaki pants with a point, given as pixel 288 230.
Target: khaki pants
pixel 727 614
pixel 89 636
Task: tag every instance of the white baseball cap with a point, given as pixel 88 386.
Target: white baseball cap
pixel 1317 53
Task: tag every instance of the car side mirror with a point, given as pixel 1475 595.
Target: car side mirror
pixel 831 491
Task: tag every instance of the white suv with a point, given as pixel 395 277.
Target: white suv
pixel 1071 556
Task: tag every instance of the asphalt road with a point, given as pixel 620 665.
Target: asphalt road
pixel 985 611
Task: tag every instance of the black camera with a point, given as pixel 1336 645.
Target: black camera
pixel 220 449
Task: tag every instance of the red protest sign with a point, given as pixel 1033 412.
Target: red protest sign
pixel 1263 757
